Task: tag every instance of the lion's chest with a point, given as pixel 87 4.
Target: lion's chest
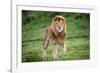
pixel 56 37
pixel 59 39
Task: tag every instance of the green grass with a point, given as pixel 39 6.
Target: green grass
pixel 34 24
pixel 77 49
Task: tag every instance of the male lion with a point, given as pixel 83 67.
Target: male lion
pixel 55 34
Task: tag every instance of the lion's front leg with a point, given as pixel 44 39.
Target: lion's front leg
pixel 54 51
pixel 63 50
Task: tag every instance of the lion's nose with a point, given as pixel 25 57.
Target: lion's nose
pixel 59 27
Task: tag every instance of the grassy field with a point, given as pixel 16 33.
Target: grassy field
pixel 78 41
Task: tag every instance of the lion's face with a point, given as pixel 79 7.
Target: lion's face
pixel 59 23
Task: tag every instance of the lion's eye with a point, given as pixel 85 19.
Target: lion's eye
pixel 56 23
pixel 61 23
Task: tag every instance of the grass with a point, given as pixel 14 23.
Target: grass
pixel 77 49
pixel 34 24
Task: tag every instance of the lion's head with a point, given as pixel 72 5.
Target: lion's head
pixel 59 24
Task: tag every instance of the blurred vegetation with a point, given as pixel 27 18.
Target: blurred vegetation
pixel 34 24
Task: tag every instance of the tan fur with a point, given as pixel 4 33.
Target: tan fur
pixel 55 35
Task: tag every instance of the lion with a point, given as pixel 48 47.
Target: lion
pixel 55 35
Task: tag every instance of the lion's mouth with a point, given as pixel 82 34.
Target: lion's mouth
pixel 59 29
